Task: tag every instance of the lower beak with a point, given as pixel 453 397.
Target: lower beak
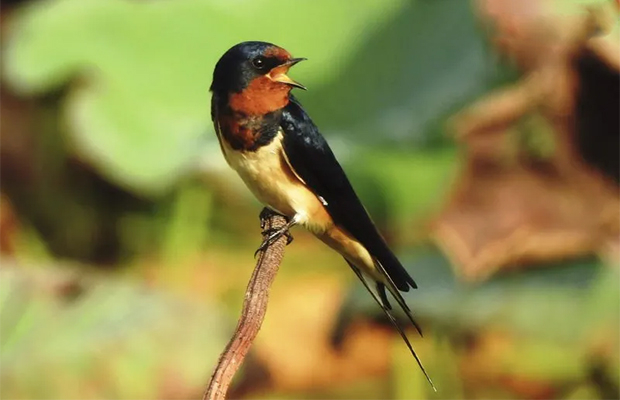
pixel 278 74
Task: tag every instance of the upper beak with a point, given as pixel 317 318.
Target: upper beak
pixel 278 74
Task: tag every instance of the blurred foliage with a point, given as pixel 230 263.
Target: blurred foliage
pixel 139 73
pixel 129 96
pixel 557 323
pixel 69 334
pixel 409 182
pixel 518 300
pixel 108 157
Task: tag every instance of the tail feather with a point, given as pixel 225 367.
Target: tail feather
pixel 383 296
pixel 386 309
pixel 391 265
pixel 399 298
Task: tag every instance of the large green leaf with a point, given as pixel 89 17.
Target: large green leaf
pixel 428 59
pixel 138 108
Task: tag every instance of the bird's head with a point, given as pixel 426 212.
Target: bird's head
pixel 252 77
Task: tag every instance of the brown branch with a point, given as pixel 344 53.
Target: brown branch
pixel 252 313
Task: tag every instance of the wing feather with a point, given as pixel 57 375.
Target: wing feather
pixel 314 162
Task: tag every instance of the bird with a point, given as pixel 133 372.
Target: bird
pixel 267 137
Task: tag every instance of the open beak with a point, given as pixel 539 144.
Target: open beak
pixel 278 74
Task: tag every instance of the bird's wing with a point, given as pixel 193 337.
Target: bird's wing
pixel 313 161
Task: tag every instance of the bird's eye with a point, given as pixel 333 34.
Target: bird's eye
pixel 259 62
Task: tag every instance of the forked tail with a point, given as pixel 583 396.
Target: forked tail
pixel 386 307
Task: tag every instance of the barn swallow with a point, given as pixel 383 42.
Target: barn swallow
pixel 271 142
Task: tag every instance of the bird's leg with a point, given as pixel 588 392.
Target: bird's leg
pixel 274 234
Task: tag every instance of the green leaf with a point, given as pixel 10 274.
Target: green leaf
pixel 139 111
pixel 428 59
pixel 139 72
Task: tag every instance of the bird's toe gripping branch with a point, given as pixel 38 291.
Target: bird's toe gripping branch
pixel 270 234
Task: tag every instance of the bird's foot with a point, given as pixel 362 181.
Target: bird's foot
pixel 273 234
pixel 287 233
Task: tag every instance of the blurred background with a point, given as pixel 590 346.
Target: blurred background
pixel 481 135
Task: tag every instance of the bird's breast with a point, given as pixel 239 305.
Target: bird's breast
pixel 269 176
pixel 238 136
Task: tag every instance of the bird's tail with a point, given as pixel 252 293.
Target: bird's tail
pixel 391 286
pixel 381 298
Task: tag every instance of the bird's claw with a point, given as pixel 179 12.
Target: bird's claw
pixel 274 234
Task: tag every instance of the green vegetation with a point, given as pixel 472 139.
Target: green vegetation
pixel 127 242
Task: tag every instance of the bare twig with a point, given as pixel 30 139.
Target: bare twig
pixel 252 313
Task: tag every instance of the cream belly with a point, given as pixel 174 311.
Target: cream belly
pixel 268 174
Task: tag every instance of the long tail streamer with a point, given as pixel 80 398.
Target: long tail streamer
pixel 393 321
